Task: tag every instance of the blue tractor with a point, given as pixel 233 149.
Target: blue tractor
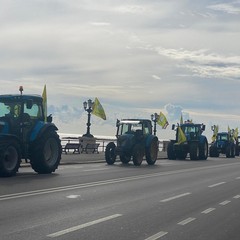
pixel 25 133
pixel 224 144
pixel 134 141
pixel 189 140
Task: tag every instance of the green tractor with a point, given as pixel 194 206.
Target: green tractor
pixel 25 134
pixel 189 140
pixel 134 141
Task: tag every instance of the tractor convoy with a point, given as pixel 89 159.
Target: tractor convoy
pixel 26 133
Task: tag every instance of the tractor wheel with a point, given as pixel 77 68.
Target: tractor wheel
pixel 233 151
pixel 10 158
pixel 228 151
pixel 152 152
pixel 46 153
pixel 125 159
pixel 213 151
pixel 203 150
pixel 170 151
pixel 110 155
pixel 194 151
pixel 137 155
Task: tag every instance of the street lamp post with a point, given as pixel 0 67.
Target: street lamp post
pixel 154 118
pixel 88 108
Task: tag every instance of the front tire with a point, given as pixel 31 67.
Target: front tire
pixel 10 158
pixel 46 153
pixel 171 154
pixel 137 155
pixel 194 151
pixel 110 155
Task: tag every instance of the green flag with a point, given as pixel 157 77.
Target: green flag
pixel 98 110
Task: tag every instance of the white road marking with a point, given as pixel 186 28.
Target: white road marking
pixel 208 210
pixel 78 227
pixel 94 169
pixel 105 182
pixel 186 221
pixel 237 177
pixel 224 203
pixel 237 196
pixel 175 197
pixel 157 236
pixel 216 184
pixel 73 196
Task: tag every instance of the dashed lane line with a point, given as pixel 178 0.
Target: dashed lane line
pixel 216 184
pixel 157 236
pixel 78 227
pixel 186 221
pixel 208 210
pixel 94 169
pixel 237 196
pixel 224 202
pixel 175 197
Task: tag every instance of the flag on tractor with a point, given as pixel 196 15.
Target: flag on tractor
pixel 98 110
pixel 215 132
pixel 181 136
pixel 162 120
pixel 44 96
pixel 181 119
pixel 235 133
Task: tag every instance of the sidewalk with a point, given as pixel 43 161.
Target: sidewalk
pixel 82 158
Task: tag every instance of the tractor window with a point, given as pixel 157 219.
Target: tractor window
pixel 35 112
pixel 222 137
pixel 10 109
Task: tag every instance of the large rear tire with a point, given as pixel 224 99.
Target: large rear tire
pixel 10 158
pixel 203 150
pixel 46 153
pixel 110 155
pixel 152 152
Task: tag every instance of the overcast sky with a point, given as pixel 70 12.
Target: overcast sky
pixel 137 56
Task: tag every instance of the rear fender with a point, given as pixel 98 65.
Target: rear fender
pixel 149 140
pixel 40 128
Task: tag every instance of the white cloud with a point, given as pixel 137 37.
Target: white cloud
pixel 230 8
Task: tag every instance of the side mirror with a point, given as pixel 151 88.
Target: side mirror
pixel 117 123
pixel 49 118
pixel 29 103
pixel 173 126
pixel 203 127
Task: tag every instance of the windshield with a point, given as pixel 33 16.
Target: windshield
pixel 190 129
pixel 221 137
pixel 130 128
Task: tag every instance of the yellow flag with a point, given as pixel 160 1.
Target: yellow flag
pixel 215 132
pixel 235 133
pixel 181 136
pixel 98 110
pixel 181 119
pixel 162 120
pixel 44 96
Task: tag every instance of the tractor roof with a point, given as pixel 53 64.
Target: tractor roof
pixel 133 121
pixel 17 97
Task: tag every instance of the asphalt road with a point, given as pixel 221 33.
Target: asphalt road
pixel 171 200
